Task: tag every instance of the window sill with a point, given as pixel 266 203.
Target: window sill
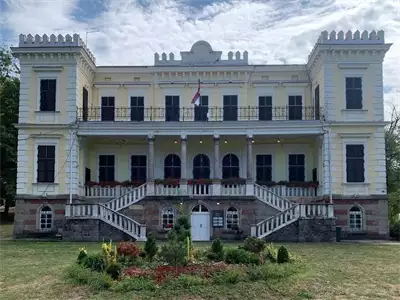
pixel 355 110
pixel 356 183
pixel 45 183
pixel 47 112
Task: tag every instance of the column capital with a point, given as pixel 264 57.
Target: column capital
pixel 150 137
pixel 216 136
pixel 249 137
pixel 183 136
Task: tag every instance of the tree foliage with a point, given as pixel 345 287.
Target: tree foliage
pixel 9 97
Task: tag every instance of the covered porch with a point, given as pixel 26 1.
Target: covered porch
pixel 201 165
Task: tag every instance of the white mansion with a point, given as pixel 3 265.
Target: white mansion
pixel 283 152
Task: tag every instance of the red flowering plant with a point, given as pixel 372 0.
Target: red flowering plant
pixel 168 181
pixel 128 249
pixel 233 180
pixel 201 181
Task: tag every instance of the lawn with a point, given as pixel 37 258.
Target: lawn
pixel 34 270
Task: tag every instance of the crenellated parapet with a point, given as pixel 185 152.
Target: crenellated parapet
pixel 44 41
pixel 344 44
pixel 350 37
pixel 201 54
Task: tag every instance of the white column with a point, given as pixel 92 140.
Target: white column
pixel 150 166
pixel 216 187
pixel 249 179
pixel 183 157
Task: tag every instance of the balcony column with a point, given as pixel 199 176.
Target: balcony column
pixel 249 179
pixel 216 186
pixel 183 184
pixel 150 166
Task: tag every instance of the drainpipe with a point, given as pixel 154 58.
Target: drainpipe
pixel 70 164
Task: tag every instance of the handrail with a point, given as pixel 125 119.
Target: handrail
pixel 278 214
pixel 287 202
pixel 109 203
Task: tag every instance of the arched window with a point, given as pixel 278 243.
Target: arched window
pixel 172 166
pixel 355 219
pixel 232 218
pixel 201 166
pixel 230 166
pixel 168 217
pixel 200 208
pixel 46 218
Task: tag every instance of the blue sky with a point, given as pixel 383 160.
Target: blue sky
pixel 128 32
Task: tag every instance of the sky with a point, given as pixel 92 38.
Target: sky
pixel 129 32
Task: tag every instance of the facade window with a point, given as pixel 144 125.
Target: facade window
pixel 230 166
pixel 48 94
pixel 355 163
pixel 355 219
pixel 265 108
pixel 232 218
pixel 295 107
pixel 106 168
pixel 201 166
pixel 137 109
pixel 172 108
pixel 201 111
pixel 107 108
pixel 353 93
pixel 172 166
pixel 85 104
pixel 200 208
pixel 168 217
pixel 46 162
pixel 138 167
pixel 317 105
pixel 264 167
pixel 296 167
pixel 46 218
pixel 230 107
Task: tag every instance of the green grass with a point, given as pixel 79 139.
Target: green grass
pixel 34 270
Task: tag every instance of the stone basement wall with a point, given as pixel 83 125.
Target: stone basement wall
pixel 92 231
pixel 26 220
pixel 306 230
pixel 252 211
pixel 375 217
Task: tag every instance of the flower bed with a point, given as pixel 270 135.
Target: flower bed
pixel 302 184
pixel 201 181
pixel 168 181
pixel 233 181
pixel 128 267
pixel 126 183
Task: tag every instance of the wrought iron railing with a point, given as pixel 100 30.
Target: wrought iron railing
pixel 200 113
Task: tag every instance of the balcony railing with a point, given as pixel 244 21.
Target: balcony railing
pixel 199 113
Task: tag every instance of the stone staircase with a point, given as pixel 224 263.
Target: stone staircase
pixel 288 212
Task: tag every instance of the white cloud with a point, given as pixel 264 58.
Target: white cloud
pixel 271 32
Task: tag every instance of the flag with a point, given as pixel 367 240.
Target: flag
pixel 196 97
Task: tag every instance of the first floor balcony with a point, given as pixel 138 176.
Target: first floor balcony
pixel 201 166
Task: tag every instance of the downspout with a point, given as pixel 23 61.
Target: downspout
pixel 71 141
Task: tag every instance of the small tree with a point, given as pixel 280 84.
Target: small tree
pixel 150 247
pixel 174 252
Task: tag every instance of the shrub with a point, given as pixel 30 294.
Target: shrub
pixel 217 251
pixel 95 262
pixel 240 256
pixel 128 249
pixel 231 276
pixel 82 254
pixel 395 231
pixel 174 252
pixel 137 272
pixel 134 284
pixel 129 261
pixel 79 275
pixel 283 255
pixel 150 247
pixel 254 244
pixel 271 253
pixel 200 255
pixel 114 270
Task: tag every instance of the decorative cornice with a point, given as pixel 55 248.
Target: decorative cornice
pixel 355 135
pixel 353 66
pixel 107 85
pixel 50 135
pixel 47 68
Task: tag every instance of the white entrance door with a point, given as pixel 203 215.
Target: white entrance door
pixel 200 222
